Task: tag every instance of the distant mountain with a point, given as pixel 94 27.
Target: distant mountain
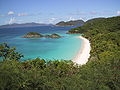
pixel 23 25
pixel 70 23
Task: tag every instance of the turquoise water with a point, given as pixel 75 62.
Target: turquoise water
pixel 64 48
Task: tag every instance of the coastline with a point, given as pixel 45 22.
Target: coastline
pixel 84 52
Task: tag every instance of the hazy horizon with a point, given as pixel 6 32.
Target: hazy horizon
pixel 53 11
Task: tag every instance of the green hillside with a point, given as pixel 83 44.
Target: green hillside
pixel 70 23
pixel 103 34
pixel 102 72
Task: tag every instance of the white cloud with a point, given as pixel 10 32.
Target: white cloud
pixel 71 18
pixel 22 14
pixel 11 13
pixel 82 18
pixel 118 12
pixel 12 20
pixel 52 20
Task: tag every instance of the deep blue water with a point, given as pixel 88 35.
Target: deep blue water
pixel 64 48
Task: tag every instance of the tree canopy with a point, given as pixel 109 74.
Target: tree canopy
pixel 102 72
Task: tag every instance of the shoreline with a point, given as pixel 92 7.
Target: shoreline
pixel 84 52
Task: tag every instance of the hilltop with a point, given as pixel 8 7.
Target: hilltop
pixel 97 24
pixel 70 23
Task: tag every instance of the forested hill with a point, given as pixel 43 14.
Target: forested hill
pixel 70 23
pixel 102 72
pixel 100 25
pixel 104 35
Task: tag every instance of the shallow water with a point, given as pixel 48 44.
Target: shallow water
pixel 64 48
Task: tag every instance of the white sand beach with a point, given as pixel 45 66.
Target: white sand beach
pixel 84 52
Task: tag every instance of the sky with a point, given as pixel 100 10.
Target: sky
pixel 53 11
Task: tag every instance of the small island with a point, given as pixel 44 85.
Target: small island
pixel 53 36
pixel 38 35
pixel 32 35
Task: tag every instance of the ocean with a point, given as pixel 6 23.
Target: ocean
pixel 64 48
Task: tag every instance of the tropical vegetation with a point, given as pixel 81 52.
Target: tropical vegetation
pixel 102 72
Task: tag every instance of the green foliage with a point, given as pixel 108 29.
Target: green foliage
pixel 55 34
pixel 103 34
pixel 57 75
pixel 8 53
pixel 77 30
pixel 99 25
pixel 102 72
pixel 33 33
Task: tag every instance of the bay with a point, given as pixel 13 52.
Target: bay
pixel 64 48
